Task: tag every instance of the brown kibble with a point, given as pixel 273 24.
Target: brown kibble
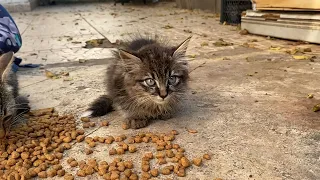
pixel 120 151
pixel 59 155
pixel 15 155
pixel 133 176
pixel 185 162
pixel 68 177
pixel 57 167
pixel 67 139
pixel 25 155
pixel 85 119
pixel 92 144
pixel 137 139
pixel 154 172
pixel 86 125
pixel 179 155
pixel 104 123
pixel 132 148
pixel 121 168
pixel 174 132
pixel 89 170
pixel 92 124
pixel 193 131
pixel 107 176
pixel 175 146
pixel 11 162
pixel 146 139
pixel 101 139
pixel 170 167
pixel 180 150
pixel 168 146
pixel 92 162
pixel 165 171
pixel 206 156
pixel 61 172
pixel 80 131
pixel 74 164
pixel 88 151
pixel 161 161
pixel 42 174
pixel 74 134
pixel 109 140
pixel 149 155
pixel 125 126
pixel 181 172
pixel 128 164
pixel 160 148
pixel 127 172
pixel 70 160
pixel 52 173
pixel 169 137
pixel 197 161
pixel 130 140
pixel 114 175
pixel 81 173
pixel 146 175
pixel 160 155
pixel 112 151
pixel 80 138
pixel 145 168
pixel 170 153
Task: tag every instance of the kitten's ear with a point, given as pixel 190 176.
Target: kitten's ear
pixel 5 64
pixel 182 48
pixel 124 55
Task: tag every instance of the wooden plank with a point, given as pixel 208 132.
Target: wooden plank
pixel 287 4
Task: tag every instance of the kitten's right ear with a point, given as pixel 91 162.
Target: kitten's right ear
pixel 124 55
pixel 5 64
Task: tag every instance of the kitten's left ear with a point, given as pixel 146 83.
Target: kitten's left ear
pixel 126 55
pixel 182 48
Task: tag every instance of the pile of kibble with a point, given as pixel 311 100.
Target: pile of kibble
pixel 36 148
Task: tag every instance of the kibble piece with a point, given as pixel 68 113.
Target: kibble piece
pixel 109 140
pixel 174 132
pixel 85 119
pixel 67 139
pixel 180 150
pixel 112 151
pixel 25 155
pixel 170 153
pixel 59 155
pixel 168 146
pixel 101 139
pixel 197 161
pixel 92 162
pixel 107 176
pixel 51 173
pixel 80 138
pixel 179 155
pixel 15 155
pixel 61 172
pixel 88 151
pixel 160 155
pixel 145 168
pixel 132 148
pixel 133 176
pixel 92 144
pixel 80 131
pixel 11 162
pixel 81 173
pixel 127 172
pixel 120 151
pixel 42 174
pixel 130 140
pixel 57 167
pixel 165 171
pixel 70 160
pixel 154 172
pixel 206 156
pixel 114 175
pixel 92 124
pixel 175 146
pixel 74 134
pixel 74 164
pixel 181 172
pixel 146 175
pixel 68 177
pixel 128 164
pixel 185 162
pixel 162 161
pixel 146 139
pixel 149 155
pixel 160 148
pixel 137 139
pixel 89 170
pixel 86 125
pixel 104 123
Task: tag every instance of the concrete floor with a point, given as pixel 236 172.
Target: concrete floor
pixel 248 105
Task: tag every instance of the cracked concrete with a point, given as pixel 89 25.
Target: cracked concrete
pixel 248 105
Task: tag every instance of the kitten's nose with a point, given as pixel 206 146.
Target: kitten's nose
pixel 163 93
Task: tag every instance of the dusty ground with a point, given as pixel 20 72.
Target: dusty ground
pixel 248 104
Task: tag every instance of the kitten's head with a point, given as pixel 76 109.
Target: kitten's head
pixel 5 92
pixel 156 74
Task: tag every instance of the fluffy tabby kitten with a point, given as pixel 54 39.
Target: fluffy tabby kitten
pixel 146 81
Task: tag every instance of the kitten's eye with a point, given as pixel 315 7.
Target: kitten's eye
pixel 173 80
pixel 150 82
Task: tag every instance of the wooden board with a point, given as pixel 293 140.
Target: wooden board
pixel 313 5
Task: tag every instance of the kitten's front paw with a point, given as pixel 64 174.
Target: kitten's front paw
pixel 136 123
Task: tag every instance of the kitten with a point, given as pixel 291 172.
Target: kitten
pixel 146 81
pixel 12 106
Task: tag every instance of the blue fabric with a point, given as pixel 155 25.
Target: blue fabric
pixel 10 38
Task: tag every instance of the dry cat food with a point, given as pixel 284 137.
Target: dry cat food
pixel 35 148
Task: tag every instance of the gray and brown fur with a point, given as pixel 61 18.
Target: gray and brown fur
pixel 146 81
pixel 12 105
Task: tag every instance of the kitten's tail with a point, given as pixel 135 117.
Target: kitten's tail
pixel 99 107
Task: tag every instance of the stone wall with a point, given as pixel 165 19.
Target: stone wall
pixel 212 5
pixel 19 5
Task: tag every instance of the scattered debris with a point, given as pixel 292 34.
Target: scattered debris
pixel 193 131
pixel 244 32
pixel 82 60
pixel 316 108
pixel 221 43
pixel 167 27
pixel 192 56
pixel 204 44
pixel 275 48
pixel 310 96
pixel 187 31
